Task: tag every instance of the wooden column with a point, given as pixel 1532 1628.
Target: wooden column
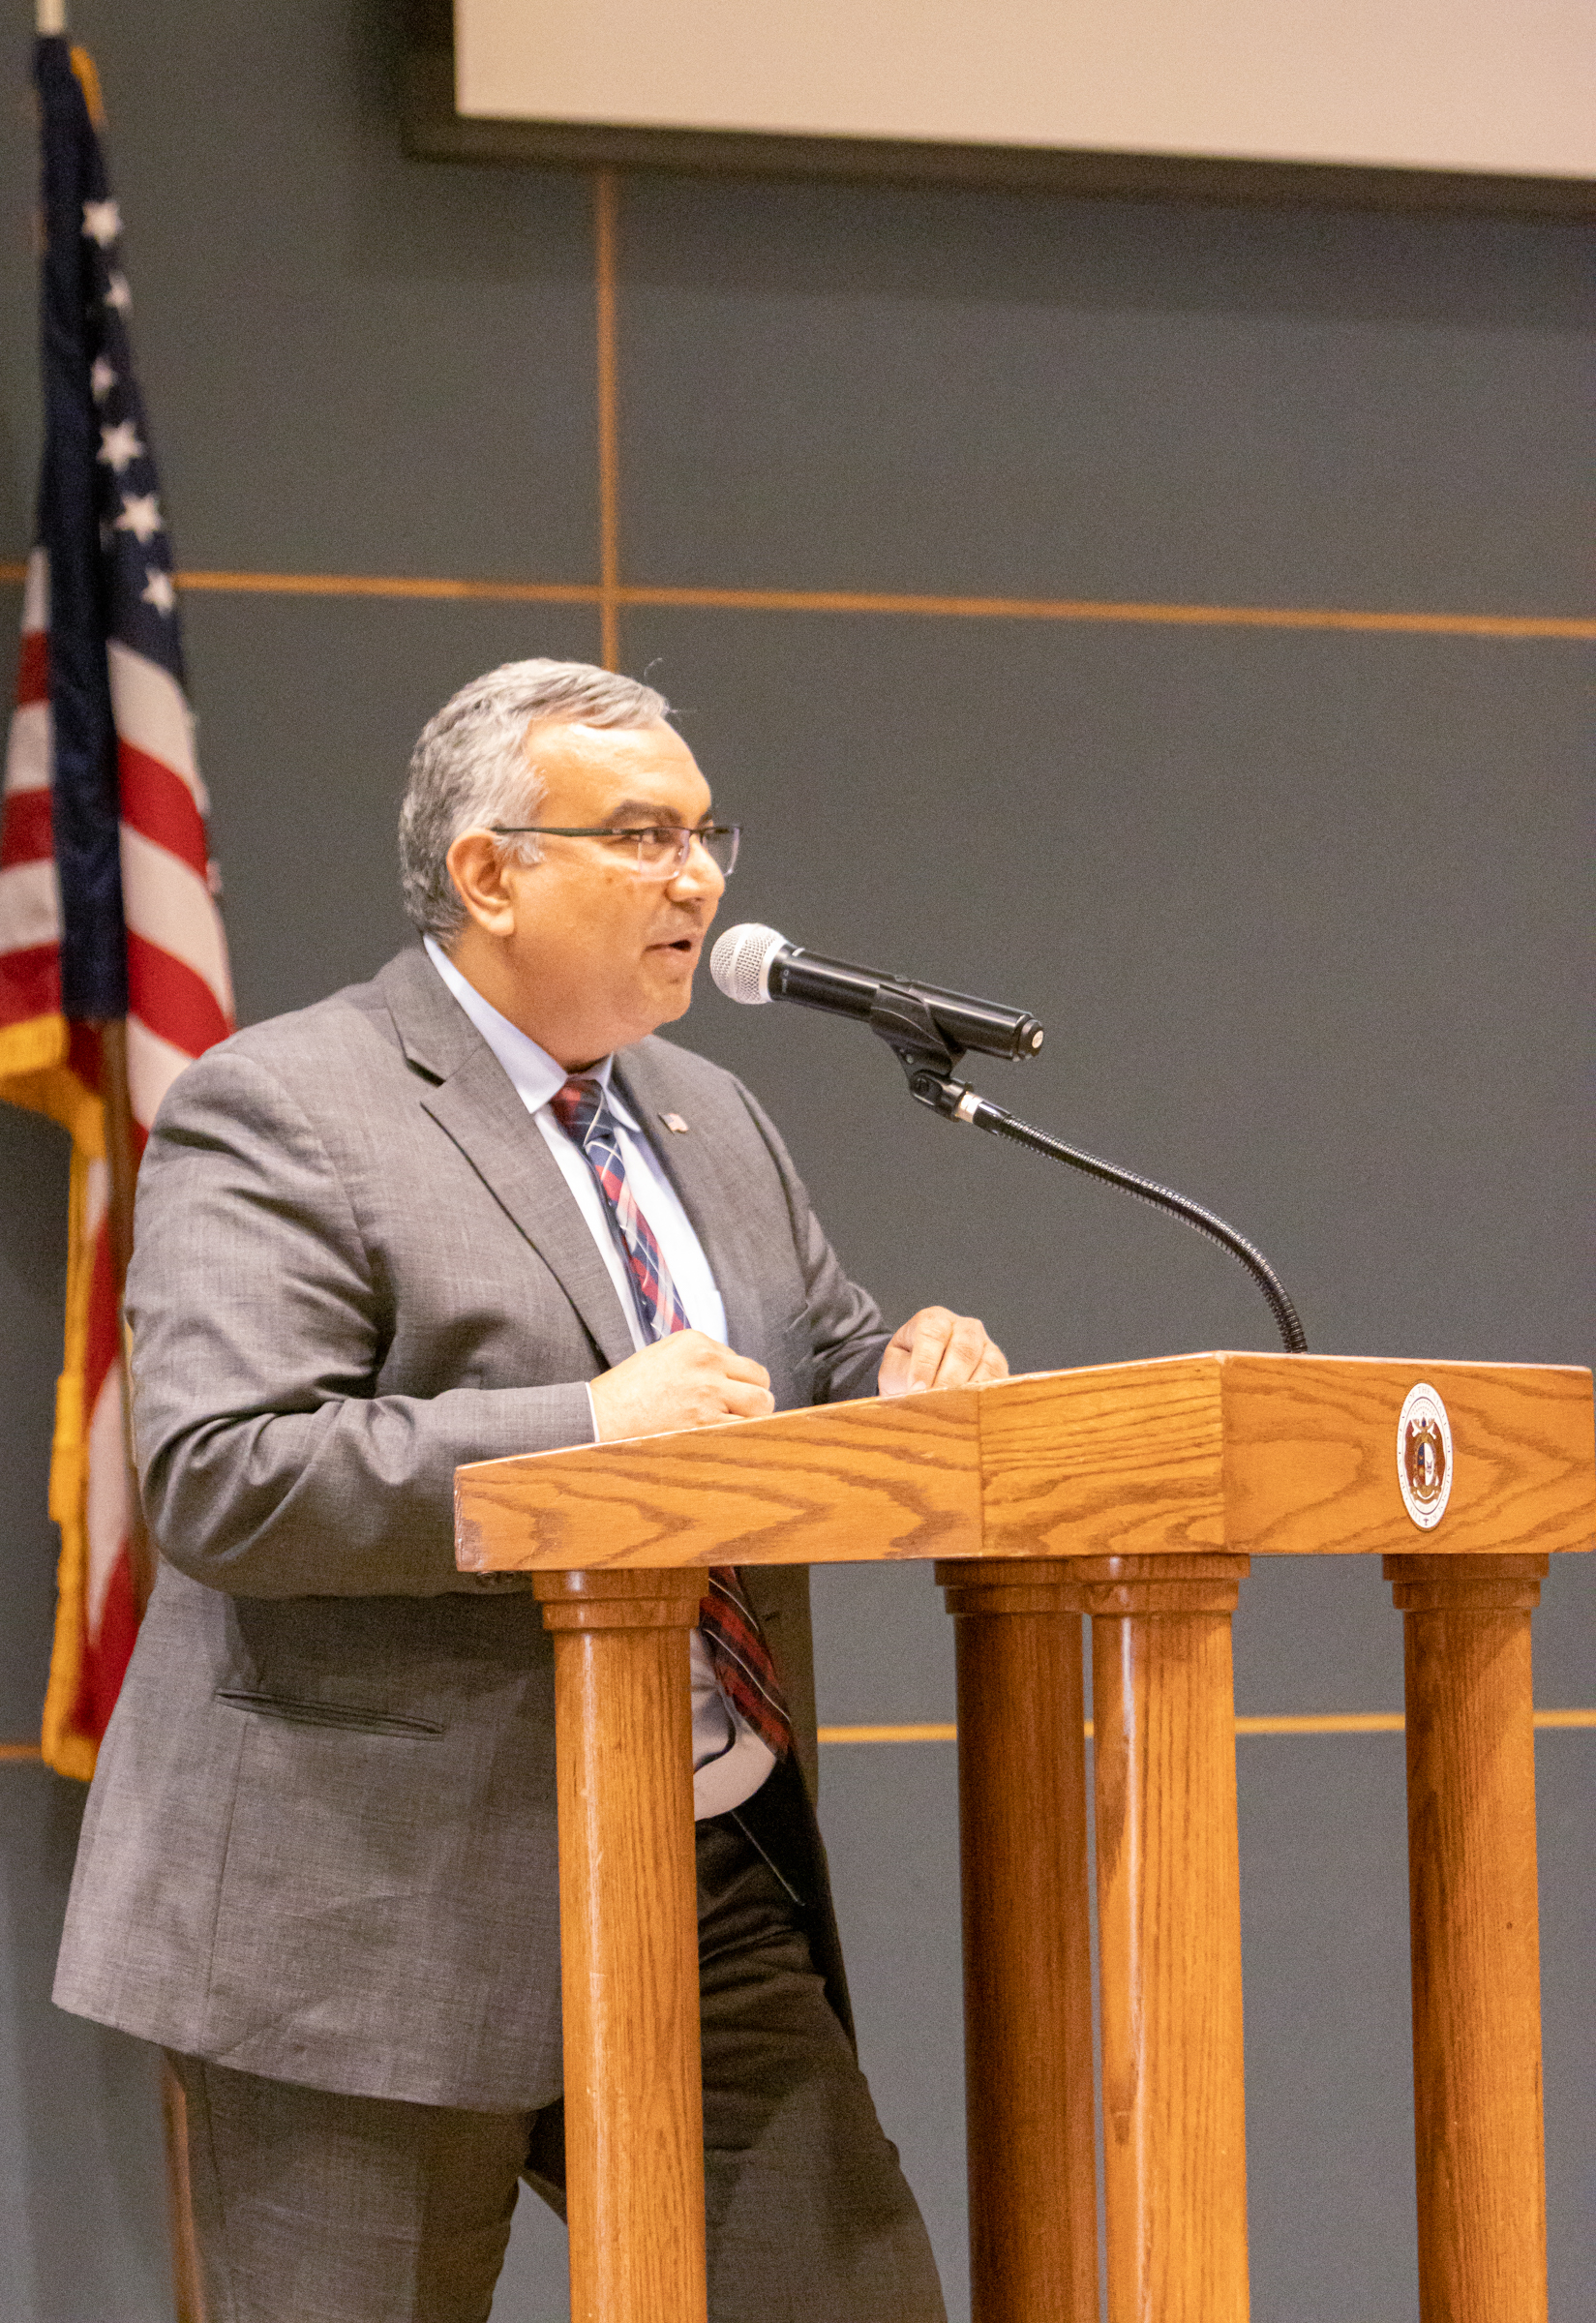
pixel 1475 1934
pixel 1169 1945
pixel 1027 1942
pixel 628 1926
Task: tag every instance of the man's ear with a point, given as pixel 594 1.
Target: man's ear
pixel 476 865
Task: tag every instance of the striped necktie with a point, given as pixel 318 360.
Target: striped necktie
pixel 740 1657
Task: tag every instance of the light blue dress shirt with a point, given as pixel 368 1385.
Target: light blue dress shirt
pixel 729 1761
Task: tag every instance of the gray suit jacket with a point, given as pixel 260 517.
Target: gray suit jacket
pixel 321 1843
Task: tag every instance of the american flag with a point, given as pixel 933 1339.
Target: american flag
pixel 107 910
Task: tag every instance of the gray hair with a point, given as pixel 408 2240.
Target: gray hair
pixel 469 769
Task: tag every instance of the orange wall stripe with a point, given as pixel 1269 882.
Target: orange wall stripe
pixel 1334 1722
pixel 1573 628
pixel 888 1734
pixel 378 585
pixel 1091 609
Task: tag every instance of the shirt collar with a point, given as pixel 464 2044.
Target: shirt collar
pixel 533 1072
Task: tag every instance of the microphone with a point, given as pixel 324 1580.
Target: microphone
pixel 753 964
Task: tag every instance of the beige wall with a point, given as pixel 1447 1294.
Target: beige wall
pixel 1457 85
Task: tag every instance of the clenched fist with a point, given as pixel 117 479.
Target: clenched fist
pixel 684 1381
pixel 937 1349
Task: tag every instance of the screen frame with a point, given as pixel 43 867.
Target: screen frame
pixel 434 131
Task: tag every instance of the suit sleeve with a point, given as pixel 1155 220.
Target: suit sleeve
pixel 269 1465
pixel 846 1329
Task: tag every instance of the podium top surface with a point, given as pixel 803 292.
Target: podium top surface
pixel 1256 1455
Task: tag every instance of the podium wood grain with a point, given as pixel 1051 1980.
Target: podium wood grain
pixel 628 1926
pixel 1136 1493
pixel 1246 1455
pixel 1271 1455
pixel 1027 1942
pixel 1474 1926
pixel 844 1481
pixel 1169 1936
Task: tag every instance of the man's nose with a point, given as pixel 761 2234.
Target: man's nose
pixel 700 875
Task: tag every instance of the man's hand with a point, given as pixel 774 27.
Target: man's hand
pixel 936 1348
pixel 684 1381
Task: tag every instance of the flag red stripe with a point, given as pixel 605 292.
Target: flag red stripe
pixel 167 995
pixel 100 1349
pixel 105 1657
pixel 27 835
pixel 30 983
pixel 84 1053
pixel 160 806
pixel 33 669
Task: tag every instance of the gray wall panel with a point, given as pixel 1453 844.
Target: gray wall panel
pixel 356 362
pixel 1565 1769
pixel 945 393
pixel 891 1817
pixel 83 2186
pixel 33 1259
pixel 20 420
pixel 1324 1947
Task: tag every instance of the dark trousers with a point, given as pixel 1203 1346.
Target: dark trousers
pixel 311 2206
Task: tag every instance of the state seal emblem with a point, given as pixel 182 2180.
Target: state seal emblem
pixel 1423 1456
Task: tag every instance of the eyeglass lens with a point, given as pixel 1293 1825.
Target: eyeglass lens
pixel 661 854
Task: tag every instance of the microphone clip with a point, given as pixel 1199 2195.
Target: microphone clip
pixel 902 1020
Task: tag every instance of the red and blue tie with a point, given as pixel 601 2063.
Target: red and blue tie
pixel 738 1650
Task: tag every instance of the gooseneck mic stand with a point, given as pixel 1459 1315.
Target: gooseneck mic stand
pixel 902 1020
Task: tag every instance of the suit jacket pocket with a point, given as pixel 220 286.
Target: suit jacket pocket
pixel 348 1715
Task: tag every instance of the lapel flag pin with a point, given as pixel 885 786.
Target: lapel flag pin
pixel 673 1120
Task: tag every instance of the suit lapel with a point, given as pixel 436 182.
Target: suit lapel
pixel 476 1106
pixel 709 1197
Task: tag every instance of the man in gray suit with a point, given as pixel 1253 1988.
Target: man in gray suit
pixel 471 1208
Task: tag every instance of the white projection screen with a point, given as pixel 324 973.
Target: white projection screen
pixel 1493 87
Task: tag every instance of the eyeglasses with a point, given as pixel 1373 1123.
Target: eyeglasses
pixel 660 849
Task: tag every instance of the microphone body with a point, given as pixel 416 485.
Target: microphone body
pixel 754 964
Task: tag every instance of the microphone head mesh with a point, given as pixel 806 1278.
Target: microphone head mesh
pixel 740 962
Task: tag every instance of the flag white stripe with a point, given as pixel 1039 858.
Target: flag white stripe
pixel 167 903
pixel 28 751
pixel 151 712
pixel 97 1197
pixel 153 1065
pixel 30 905
pixel 36 592
pixel 106 1500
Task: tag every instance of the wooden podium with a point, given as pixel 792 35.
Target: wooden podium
pixel 1136 1494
